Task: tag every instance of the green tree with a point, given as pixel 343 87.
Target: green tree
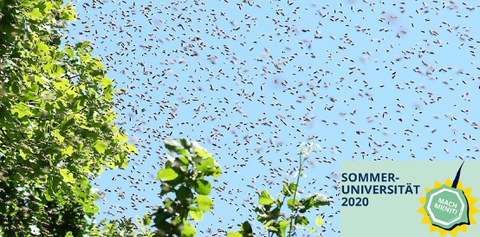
pixel 56 123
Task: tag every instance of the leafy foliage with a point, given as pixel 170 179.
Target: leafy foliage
pixel 56 123
pixel 269 211
pixel 57 132
pixel 184 177
pixel 125 228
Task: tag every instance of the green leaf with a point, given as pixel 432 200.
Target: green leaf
pixel 302 220
pixel 204 202
pixel 106 82
pixel 61 84
pixel 57 72
pixel 22 110
pixel 319 221
pixel 167 174
pixel 265 198
pixel 56 133
pixel 202 152
pixel 178 146
pixel 91 208
pixel 289 189
pixel 68 151
pixel 173 145
pixel 275 213
pixel 293 204
pixel 131 149
pixel 67 176
pixel 100 146
pixel 188 230
pixel 23 154
pixel 35 14
pixel 206 165
pixel 203 187
pixel 217 172
pixel 146 220
pixel 183 160
pixel 195 213
pixel 283 226
pixel 246 228
pixel 234 234
pixel 185 144
pixel 270 226
pixel 69 51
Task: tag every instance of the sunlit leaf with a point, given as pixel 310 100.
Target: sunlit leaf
pixel 204 203
pixel 69 150
pixel 56 133
pixel 22 110
pixel 188 230
pixel 196 213
pixel 265 198
pixel 203 187
pixel 206 165
pixel 202 153
pixel 146 220
pixel 100 146
pixel 67 176
pixel 283 226
pixel 167 174
pixel 234 234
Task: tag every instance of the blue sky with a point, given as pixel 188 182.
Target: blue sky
pixel 369 80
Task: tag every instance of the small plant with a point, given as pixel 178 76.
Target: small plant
pixel 185 191
pixel 269 211
pixel 184 188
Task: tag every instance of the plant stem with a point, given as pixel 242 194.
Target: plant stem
pixel 300 164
